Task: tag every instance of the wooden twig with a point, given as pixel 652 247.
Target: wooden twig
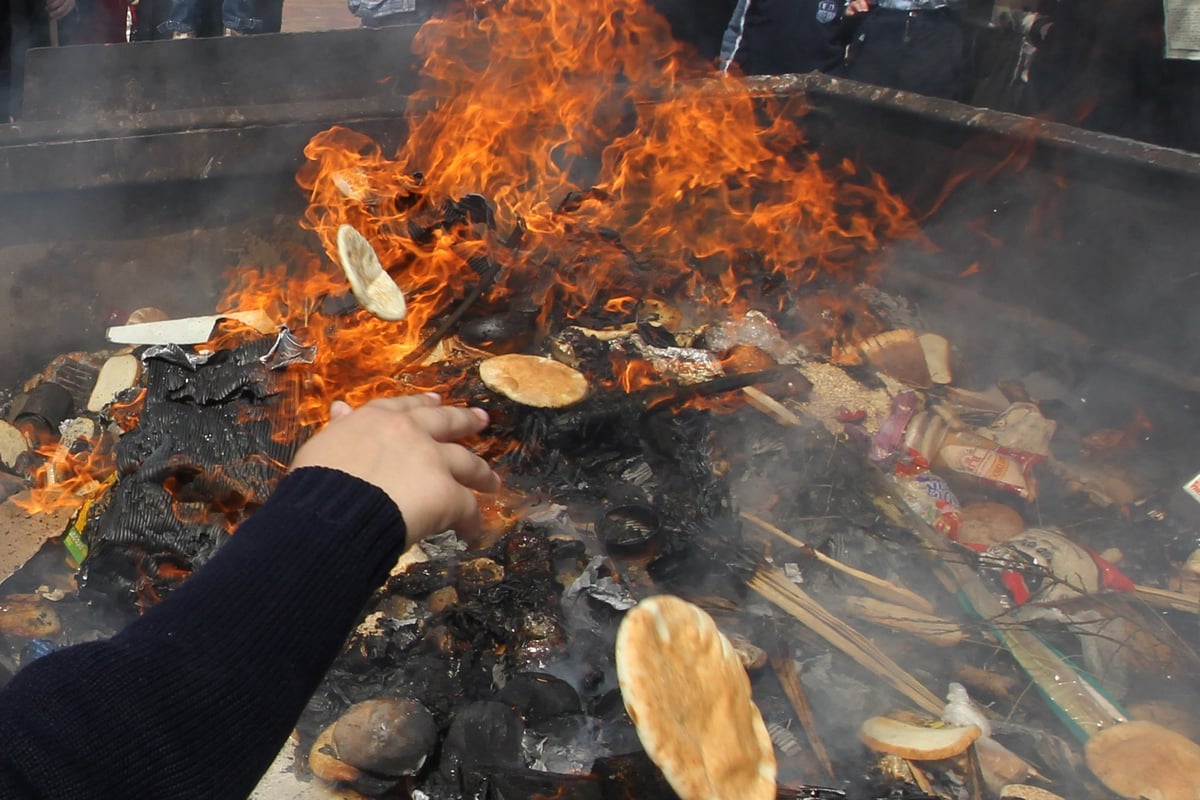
pixel 486 279
pixel 789 679
pixel 928 627
pixel 1163 598
pixel 771 407
pixel 885 590
pixel 774 586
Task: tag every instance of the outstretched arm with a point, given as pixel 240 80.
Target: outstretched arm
pixel 196 697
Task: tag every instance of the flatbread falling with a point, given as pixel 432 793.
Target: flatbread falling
pixel 689 697
pixel 372 286
pixel 534 380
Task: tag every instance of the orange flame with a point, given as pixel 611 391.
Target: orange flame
pixel 69 475
pixel 614 166
pixel 571 120
pixel 635 374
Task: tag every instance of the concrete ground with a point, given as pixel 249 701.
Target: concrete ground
pixel 317 15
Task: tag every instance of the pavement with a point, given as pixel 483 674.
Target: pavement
pixel 317 15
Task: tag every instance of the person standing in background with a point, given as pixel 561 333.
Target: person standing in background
pixel 238 18
pixel 26 24
pixel 776 37
pixel 101 22
pixel 915 45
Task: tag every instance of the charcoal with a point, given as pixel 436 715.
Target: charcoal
pixel 564 744
pixel 472 208
pixel 809 793
pixel 631 529
pixel 477 575
pixel 418 580
pixel 540 641
pixel 339 305
pixel 562 551
pixel 538 697
pixel 527 553
pixel 500 333
pixel 632 775
pixel 656 335
pixel 482 734
pixel 610 706
pixel 520 784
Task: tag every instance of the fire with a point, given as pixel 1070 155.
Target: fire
pixel 69 473
pixel 606 171
pixel 574 159
pixel 635 374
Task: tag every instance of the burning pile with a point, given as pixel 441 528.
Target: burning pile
pixel 663 297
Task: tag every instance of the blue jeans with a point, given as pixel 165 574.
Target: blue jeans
pixel 242 16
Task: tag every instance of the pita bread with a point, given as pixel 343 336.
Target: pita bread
pixel 689 697
pixel 372 286
pixel 899 354
pixel 1144 759
pixel 937 357
pixel 534 380
pixel 1020 791
pixel 118 374
pixel 916 742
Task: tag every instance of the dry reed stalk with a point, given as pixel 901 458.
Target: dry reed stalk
pixel 885 590
pixel 775 587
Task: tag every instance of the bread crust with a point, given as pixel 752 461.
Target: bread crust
pixel 534 380
pixel 687 692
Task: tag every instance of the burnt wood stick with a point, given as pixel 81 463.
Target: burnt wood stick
pixel 562 427
pixel 487 277
pixel 655 397
pixel 793 689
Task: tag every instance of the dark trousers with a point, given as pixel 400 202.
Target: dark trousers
pixel 917 51
pixel 26 25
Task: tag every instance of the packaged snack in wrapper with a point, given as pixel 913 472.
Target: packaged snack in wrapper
pixel 971 454
pixel 932 500
pixel 1192 487
pixel 923 437
pixel 1023 429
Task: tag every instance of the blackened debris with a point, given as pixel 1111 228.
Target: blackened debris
pixel 208 448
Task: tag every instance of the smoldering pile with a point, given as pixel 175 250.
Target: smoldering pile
pixel 783 494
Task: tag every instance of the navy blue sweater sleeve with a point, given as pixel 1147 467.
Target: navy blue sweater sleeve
pixel 195 698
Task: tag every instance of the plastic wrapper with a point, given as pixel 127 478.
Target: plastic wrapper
pixel 970 454
pixel 1022 428
pixel 755 329
pixel 932 500
pixel 1192 487
pixel 923 437
pixel 890 436
pixel 1045 566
